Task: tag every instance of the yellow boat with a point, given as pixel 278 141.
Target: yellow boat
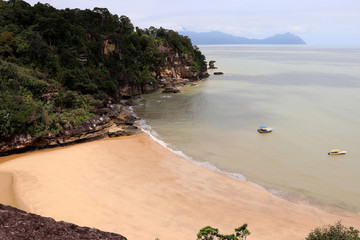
pixel 336 152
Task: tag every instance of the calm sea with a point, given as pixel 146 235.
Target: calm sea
pixel 309 95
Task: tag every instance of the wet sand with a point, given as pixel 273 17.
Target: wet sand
pixel 136 187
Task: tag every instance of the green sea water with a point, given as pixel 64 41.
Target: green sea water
pixel 309 95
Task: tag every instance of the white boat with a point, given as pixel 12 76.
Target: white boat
pixel 336 152
pixel 264 129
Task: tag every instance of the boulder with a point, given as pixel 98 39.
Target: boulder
pixel 171 90
pixel 218 73
pixel 125 117
pixel 212 64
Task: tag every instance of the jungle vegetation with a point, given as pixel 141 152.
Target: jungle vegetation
pixel 53 66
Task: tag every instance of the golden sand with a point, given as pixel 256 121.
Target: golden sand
pixel 136 187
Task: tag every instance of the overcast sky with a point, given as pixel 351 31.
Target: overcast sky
pixel 318 22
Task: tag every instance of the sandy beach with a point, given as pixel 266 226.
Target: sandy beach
pixel 135 187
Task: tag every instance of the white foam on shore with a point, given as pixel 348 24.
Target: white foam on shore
pixel 166 96
pixel 155 136
pixel 237 176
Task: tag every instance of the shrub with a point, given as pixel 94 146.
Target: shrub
pixel 334 232
pixel 210 233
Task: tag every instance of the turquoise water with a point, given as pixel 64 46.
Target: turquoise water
pixel 309 95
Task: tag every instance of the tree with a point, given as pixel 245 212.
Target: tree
pixel 7 42
pixel 334 232
pixel 125 25
pixel 242 231
pixel 58 69
pixel 210 233
pixel 207 233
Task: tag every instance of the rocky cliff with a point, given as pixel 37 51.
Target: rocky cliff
pixel 111 120
pixel 57 72
pixel 178 71
pixel 17 224
pixel 113 117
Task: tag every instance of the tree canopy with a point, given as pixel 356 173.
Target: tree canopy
pixel 54 62
pixel 334 232
pixel 210 233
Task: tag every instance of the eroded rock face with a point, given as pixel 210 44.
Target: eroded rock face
pixel 110 115
pixel 178 68
pixel 111 120
pixel 17 224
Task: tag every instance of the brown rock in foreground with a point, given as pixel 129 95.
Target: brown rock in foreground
pixel 17 224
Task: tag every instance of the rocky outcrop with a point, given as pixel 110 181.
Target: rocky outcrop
pixel 179 66
pixel 178 72
pixel 212 64
pixel 171 90
pixel 218 73
pixel 17 224
pixel 109 43
pixel 112 120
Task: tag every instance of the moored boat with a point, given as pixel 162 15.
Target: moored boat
pixel 264 129
pixel 336 152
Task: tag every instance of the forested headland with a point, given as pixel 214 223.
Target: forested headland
pixel 56 66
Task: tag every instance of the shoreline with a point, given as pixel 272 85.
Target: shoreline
pixel 116 119
pixel 129 183
pixel 281 194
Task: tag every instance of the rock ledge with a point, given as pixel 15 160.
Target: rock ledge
pixel 17 224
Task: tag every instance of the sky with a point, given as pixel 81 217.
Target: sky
pixel 317 22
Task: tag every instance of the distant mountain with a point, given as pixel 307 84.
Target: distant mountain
pixel 216 37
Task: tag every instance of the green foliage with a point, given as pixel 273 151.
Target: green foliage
pixel 20 113
pixel 334 232
pixel 53 41
pixel 242 231
pixel 194 67
pixel 210 233
pixel 22 109
pixel 207 233
pixel 53 66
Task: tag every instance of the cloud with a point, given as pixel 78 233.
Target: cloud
pixel 314 20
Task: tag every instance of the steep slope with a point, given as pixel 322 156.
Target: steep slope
pixel 65 72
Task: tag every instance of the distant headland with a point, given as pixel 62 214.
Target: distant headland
pixel 215 37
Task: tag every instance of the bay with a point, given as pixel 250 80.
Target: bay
pixel 308 94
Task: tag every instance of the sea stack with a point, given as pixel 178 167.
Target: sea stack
pixel 212 64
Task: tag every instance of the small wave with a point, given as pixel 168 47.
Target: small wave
pixel 237 176
pixel 282 194
pixel 166 96
pixel 147 129
pixel 259 186
pixel 155 136
pixel 208 165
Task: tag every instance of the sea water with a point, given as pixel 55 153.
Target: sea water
pixel 309 95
